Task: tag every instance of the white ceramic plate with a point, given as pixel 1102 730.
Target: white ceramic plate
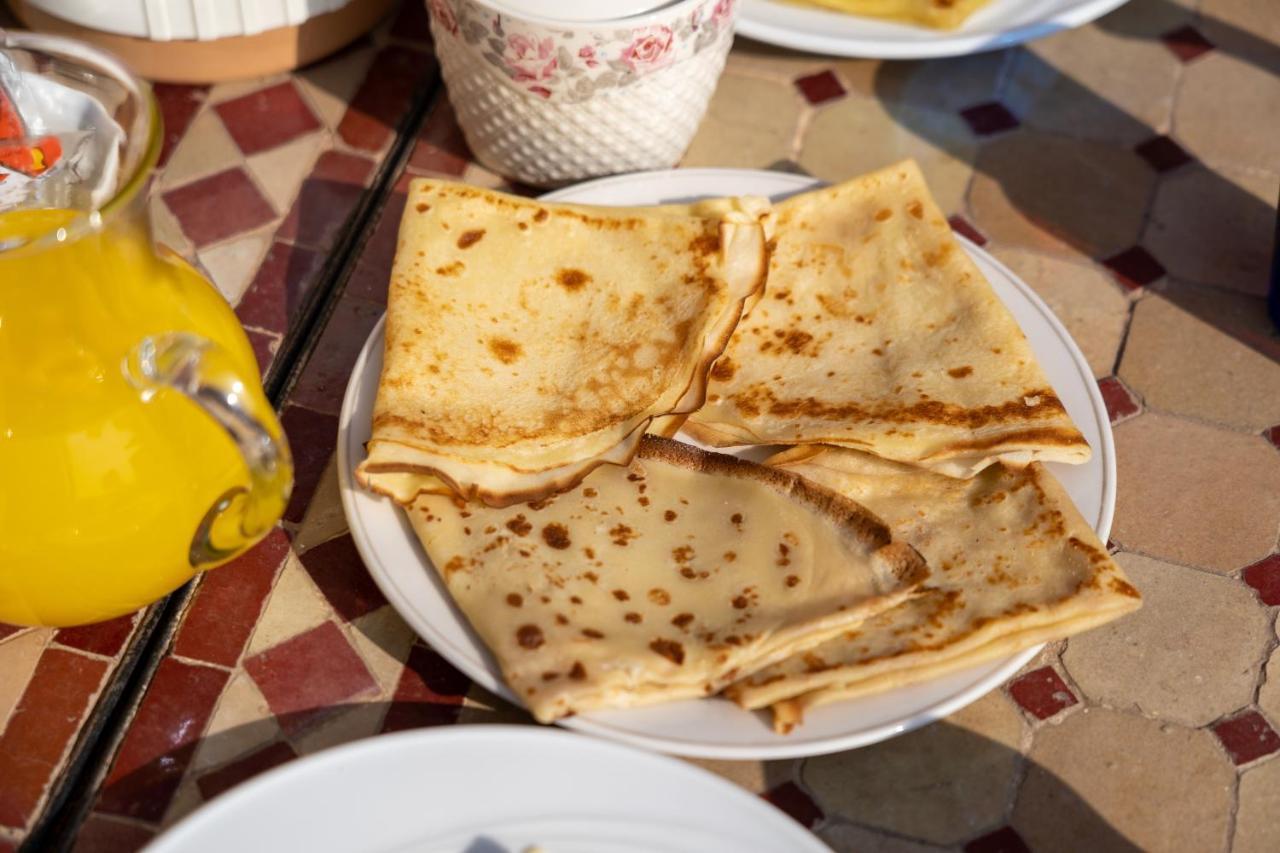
pixel 488 789
pixel 1000 24
pixel 716 728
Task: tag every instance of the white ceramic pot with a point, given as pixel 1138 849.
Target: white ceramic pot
pixel 200 20
pixel 549 102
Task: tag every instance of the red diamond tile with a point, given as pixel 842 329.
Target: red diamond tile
pixel 7 846
pixel 411 23
pixel 1162 154
pixel 41 729
pixel 340 574
pixel 226 778
pixel 326 199
pixel 1042 693
pixel 795 802
pixel 821 87
pixel 274 296
pixel 1118 399
pixel 312 438
pixel 219 206
pixel 103 834
pixel 104 638
pixel 264 346
pixel 226 606
pixel 267 118
pixel 441 147
pixel 382 100
pixel 989 118
pixel 161 739
pixel 1135 267
pixel 324 379
pixel 372 272
pixel 1247 737
pixel 1186 43
pixel 960 225
pixel 304 678
pixel 9 630
pixel 1264 577
pixel 430 692
pixel 1273 435
pixel 1004 840
pixel 178 106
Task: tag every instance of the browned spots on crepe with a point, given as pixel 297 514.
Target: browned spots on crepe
pixel 422 207
pixel 669 515
pixel 621 595
pixel 960 372
pixel 633 617
pixel 740 602
pixel 556 535
pixel 682 620
pixel 572 279
pixel 578 672
pixel 504 350
pixel 669 649
pixel 451 269
pixel 883 214
pixel 467 239
pixel 541 215
pixel 792 580
pixel 723 370
pixel 683 554
pixel 621 534
pixel 529 636
pixel 515 599
pixel 916 209
pixel 519 525
pixel 592 634
pixel 658 595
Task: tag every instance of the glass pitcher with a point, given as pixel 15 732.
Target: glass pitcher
pixel 136 444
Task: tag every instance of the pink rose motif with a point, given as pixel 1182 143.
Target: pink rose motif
pixel 722 11
pixel 587 54
pixel 529 59
pixel 650 50
pixel 541 91
pixel 444 15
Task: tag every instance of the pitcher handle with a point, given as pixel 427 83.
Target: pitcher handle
pixel 205 373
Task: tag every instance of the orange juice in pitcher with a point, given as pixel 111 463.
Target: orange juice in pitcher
pixel 136 444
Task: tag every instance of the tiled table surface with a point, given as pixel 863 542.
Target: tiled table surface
pixel 1128 171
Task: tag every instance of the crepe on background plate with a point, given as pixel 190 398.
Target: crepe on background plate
pixel 877 332
pixel 940 14
pixel 1012 565
pixel 528 342
pixel 662 581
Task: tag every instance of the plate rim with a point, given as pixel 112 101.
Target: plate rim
pixel 210 815
pixel 692 748
pixel 933 44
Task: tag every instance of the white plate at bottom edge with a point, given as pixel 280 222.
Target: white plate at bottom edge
pixel 714 727
pixel 488 789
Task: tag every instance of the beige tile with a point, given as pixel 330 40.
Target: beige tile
pixel 1034 189
pixel 1103 780
pixel 1095 84
pixel 329 86
pixel 357 720
pixel 18 658
pixel 205 148
pixel 1148 19
pixel 167 232
pixel 294 606
pixel 241 723
pixel 1226 112
pixel 1269 694
pixel 280 171
pixel 1181 363
pixel 848 838
pixel 1195 494
pixel 1215 227
pixel 234 89
pixel 185 801
pixel 943 784
pixel 1190 655
pixel 783 65
pixel 1086 299
pixel 1257 826
pixel 949 84
pixel 749 123
pixel 324 519
pixel 858 135
pixel 233 265
pixel 1250 28
pixel 481 706
pixel 755 776
pixel 383 639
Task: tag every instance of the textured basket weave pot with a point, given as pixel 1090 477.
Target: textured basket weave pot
pixel 549 103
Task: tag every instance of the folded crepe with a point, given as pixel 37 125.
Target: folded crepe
pixel 664 580
pixel 940 14
pixel 527 342
pixel 877 332
pixel 1012 565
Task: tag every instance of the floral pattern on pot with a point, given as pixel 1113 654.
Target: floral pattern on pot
pixel 572 65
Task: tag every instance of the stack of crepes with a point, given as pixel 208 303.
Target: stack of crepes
pixel 910 531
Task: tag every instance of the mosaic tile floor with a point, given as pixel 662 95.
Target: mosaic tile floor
pixel 1128 171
